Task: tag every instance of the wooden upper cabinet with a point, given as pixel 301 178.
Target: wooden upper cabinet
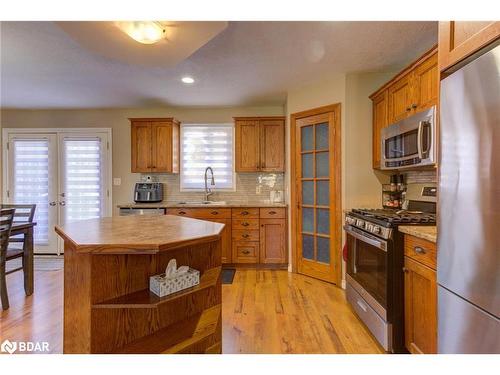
pixel 260 144
pixel 247 146
pixel 380 118
pixel 460 39
pixel 155 145
pixel 400 99
pixel 141 146
pixel 414 89
pixel 425 84
pixel 272 145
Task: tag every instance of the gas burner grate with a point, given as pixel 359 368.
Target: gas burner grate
pixel 396 217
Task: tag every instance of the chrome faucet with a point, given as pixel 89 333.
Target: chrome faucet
pixel 208 191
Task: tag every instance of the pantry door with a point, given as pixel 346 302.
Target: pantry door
pixel 317 193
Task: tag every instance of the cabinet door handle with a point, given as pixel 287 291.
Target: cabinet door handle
pixel 245 235
pixel 246 252
pixel 245 224
pixel 405 270
pixel 419 250
pixel 182 213
pixel 408 109
pixel 414 106
pixel 214 212
pixel 245 213
pixel 272 212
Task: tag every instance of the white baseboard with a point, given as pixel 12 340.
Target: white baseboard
pixel 343 284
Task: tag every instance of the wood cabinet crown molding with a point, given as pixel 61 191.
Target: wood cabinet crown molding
pixel 406 70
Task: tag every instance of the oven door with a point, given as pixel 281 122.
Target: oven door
pixel 367 267
pixel 409 142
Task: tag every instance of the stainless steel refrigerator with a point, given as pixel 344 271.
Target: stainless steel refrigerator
pixel 469 208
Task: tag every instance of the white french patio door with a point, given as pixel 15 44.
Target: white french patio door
pixel 32 179
pixel 66 174
pixel 82 176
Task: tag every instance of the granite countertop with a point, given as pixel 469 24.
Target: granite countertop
pixel 428 233
pixel 190 205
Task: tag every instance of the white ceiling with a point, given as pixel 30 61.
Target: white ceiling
pixel 249 63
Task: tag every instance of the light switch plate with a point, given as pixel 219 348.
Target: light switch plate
pixel 117 181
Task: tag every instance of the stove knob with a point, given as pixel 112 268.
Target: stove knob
pixel 360 223
pixel 375 229
pixel 369 227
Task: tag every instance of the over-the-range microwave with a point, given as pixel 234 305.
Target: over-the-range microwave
pixel 410 143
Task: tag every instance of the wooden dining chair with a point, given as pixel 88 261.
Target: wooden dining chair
pixel 6 220
pixel 18 246
pixel 24 214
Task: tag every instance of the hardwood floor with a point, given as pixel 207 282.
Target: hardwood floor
pixel 264 311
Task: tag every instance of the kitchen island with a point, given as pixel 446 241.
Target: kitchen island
pixel 108 307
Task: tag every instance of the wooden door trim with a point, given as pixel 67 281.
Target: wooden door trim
pixel 336 235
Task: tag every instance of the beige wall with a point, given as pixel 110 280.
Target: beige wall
pixel 117 120
pixel 361 182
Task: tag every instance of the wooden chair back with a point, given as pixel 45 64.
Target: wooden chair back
pixel 6 220
pixel 24 212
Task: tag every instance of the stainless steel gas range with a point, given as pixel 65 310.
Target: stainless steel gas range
pixel 375 257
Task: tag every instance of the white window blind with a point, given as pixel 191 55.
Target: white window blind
pixel 83 180
pixel 31 175
pixel 205 146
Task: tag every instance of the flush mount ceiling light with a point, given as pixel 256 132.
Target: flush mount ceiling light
pixel 187 80
pixel 145 32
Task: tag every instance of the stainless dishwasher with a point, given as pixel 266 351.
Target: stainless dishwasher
pixel 125 211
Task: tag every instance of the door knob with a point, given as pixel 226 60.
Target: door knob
pixel 52 204
pixel 62 203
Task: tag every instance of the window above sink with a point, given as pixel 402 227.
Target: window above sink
pixel 202 146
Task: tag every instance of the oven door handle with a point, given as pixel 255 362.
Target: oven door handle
pixel 372 241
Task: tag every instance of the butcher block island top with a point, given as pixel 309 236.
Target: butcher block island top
pixel 137 234
pixel 108 307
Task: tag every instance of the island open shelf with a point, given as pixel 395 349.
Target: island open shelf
pixel 108 307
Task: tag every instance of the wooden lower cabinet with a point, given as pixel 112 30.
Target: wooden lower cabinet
pixel 251 235
pixel 420 307
pixel 272 241
pixel 227 256
pixel 245 252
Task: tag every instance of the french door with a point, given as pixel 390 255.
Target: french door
pixel 66 174
pixel 317 193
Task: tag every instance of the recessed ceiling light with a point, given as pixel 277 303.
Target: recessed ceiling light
pixel 187 79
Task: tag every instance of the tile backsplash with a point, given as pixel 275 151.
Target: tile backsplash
pixel 250 188
pixel 421 177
